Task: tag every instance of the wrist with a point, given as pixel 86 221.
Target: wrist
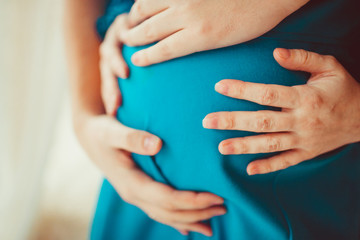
pixel 352 120
pixel 291 6
pixel 357 117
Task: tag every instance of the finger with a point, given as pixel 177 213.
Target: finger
pixel 142 10
pixel 264 94
pixel 110 91
pixel 182 216
pixel 278 162
pixel 119 136
pixel 266 143
pixel 118 64
pixel 260 121
pixel 171 47
pixel 172 199
pixel 111 49
pixel 183 232
pixel 201 228
pixel 302 60
pixel 154 29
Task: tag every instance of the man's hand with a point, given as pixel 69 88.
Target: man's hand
pixel 188 26
pixel 316 118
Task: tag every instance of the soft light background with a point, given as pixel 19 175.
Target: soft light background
pixel 48 187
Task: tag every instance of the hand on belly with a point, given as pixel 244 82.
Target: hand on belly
pixel 316 118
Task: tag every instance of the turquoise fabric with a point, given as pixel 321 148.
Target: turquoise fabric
pixel 317 199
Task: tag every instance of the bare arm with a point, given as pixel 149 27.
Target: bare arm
pixel 83 58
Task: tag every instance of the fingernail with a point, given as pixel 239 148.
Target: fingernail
pixel 135 59
pixel 151 142
pixel 218 201
pixel 185 233
pixel 210 122
pixel 226 147
pixel 283 53
pixel 252 171
pixel 220 212
pixel 221 88
pixel 209 234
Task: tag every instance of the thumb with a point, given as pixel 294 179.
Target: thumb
pixel 301 60
pixel 122 137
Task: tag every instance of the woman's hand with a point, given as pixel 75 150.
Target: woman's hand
pixel 109 144
pixel 316 118
pixel 112 64
pixel 188 26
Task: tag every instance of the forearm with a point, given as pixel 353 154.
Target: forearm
pixel 264 16
pixel 82 46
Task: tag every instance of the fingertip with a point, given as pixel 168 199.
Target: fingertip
pixel 208 232
pixel 126 72
pixel 211 199
pixel 226 147
pixel 136 59
pixel 207 122
pixel 282 54
pixel 252 169
pixel 152 144
pixel 139 59
pixel 185 233
pixel 222 87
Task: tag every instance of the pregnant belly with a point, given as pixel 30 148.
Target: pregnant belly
pixel 171 99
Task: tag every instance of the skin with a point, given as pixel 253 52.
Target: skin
pixel 214 23
pixel 109 143
pixel 112 65
pixel 147 22
pixel 317 117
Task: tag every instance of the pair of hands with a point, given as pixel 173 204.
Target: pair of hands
pixel 315 118
pixel 196 25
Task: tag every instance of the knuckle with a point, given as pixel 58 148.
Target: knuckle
pixel 314 123
pixel 270 96
pixel 304 57
pixel 119 19
pixel 273 144
pixel 165 50
pixel 169 205
pixel 132 138
pixel 105 134
pixel 332 61
pixel 263 123
pixel 242 147
pixel 314 101
pixel 240 89
pixel 127 195
pixel 149 32
pixel 187 6
pixel 205 28
pixel 139 8
pixel 267 167
pixel 229 121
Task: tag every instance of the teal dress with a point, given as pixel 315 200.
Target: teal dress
pixel 317 199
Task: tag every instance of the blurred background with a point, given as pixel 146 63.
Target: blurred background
pixel 48 186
